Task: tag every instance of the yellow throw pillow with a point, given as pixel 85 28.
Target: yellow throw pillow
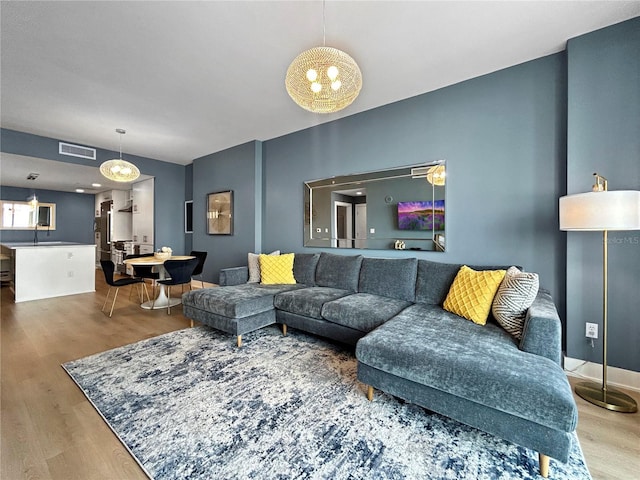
pixel 472 292
pixel 276 269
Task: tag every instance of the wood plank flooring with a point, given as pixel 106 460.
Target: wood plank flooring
pixel 50 431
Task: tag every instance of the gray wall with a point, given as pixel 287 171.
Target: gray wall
pixel 604 137
pixel 169 181
pixel 74 216
pixel 503 137
pixel 233 169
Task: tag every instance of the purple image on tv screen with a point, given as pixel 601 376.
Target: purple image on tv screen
pixel 421 215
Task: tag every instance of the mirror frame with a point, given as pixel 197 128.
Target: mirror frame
pixel 319 223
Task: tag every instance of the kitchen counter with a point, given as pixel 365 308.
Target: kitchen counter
pixel 50 269
pixel 14 245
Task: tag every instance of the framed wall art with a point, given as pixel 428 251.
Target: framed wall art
pixel 188 216
pixel 220 213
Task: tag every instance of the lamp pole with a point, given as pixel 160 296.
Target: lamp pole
pixel 604 397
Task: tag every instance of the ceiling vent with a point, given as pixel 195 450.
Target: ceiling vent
pixel 77 151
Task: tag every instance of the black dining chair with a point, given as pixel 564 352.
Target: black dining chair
pixel 180 272
pixel 201 256
pixel 108 269
pixel 145 271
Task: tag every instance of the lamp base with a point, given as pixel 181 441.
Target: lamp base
pixel 610 398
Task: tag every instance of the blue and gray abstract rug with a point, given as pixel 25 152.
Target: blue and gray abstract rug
pixel 191 405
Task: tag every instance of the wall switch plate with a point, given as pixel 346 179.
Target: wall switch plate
pixel 591 330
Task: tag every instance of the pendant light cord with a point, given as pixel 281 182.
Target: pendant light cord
pixel 121 131
pixel 324 33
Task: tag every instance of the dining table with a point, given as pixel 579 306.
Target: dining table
pixel 161 301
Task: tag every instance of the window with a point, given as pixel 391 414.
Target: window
pixel 25 216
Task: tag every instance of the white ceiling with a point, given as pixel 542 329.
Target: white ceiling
pixel 186 79
pixel 60 176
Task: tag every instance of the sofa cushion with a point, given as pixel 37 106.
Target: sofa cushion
pixel 235 301
pixel 434 279
pixel 430 346
pixel 307 301
pixel 304 268
pixel 253 262
pixel 472 292
pixel 338 271
pixel 277 269
pixel 389 277
pixel 515 295
pixel 362 311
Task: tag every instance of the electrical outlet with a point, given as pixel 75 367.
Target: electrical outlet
pixel 591 330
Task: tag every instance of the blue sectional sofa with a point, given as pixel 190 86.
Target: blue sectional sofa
pixel 408 346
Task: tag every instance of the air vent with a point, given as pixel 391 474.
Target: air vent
pixel 32 176
pixel 77 151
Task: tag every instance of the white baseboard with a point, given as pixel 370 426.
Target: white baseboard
pixel 616 377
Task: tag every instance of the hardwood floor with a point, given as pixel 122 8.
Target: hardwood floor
pixel 50 431
pixel 610 441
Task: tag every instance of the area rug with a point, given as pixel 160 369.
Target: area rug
pixel 191 405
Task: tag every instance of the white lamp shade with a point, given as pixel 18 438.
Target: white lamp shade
pixel 609 210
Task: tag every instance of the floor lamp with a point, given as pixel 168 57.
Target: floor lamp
pixel 602 210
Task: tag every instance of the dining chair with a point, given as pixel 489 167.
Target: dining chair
pixel 145 271
pixel 108 267
pixel 201 256
pixel 180 272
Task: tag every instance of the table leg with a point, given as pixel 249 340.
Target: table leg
pixel 162 301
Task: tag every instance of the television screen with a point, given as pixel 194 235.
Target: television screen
pixel 421 215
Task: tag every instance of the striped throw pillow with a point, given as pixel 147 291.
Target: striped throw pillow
pixel 515 295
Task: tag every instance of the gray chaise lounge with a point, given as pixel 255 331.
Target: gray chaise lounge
pixel 410 347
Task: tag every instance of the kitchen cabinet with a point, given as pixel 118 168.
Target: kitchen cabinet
pixel 143 213
pixel 121 221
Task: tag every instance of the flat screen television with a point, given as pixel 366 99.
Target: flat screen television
pixel 421 215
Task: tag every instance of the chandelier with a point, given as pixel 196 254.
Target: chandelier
pixel 119 170
pixel 436 175
pixel 323 79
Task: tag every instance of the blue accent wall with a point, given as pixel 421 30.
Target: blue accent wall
pixel 233 169
pixel 604 137
pixel 169 181
pixel 503 137
pixel 74 216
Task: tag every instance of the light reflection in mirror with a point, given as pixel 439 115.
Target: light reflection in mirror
pixel 400 208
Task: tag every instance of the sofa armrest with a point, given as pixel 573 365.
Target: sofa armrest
pixel 233 276
pixel 542 332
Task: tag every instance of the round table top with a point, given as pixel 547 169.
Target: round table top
pixel 153 260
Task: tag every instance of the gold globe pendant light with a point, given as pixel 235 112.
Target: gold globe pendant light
pixel 323 79
pixel 119 170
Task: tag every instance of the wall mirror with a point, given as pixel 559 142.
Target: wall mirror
pixel 401 208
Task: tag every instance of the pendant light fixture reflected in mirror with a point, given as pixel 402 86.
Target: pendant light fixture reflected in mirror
pixel 436 175
pixel 323 79
pixel 119 170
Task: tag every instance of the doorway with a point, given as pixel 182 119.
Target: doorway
pixel 342 229
pixel 361 225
